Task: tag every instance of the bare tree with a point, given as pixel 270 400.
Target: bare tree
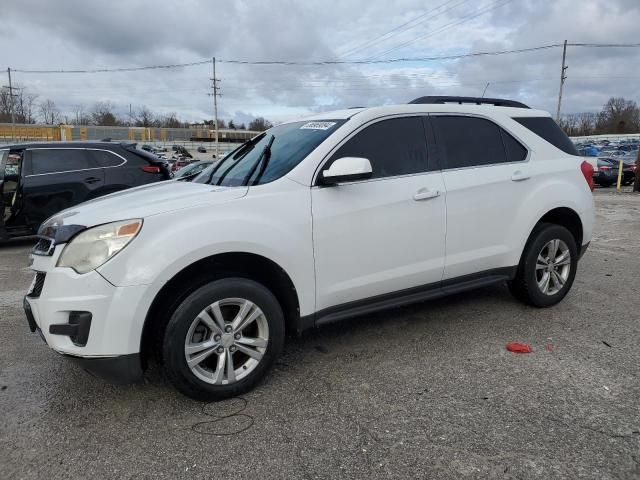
pixel 619 116
pixel 80 115
pixel 170 120
pixel 102 114
pixel 145 118
pixel 587 123
pixel 49 111
pixel 22 103
pixel 260 124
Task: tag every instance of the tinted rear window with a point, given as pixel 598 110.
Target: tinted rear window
pixel 57 160
pixel 469 141
pixel 549 130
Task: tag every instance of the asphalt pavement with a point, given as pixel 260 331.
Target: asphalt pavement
pixel 424 391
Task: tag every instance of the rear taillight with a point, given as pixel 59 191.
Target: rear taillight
pixel 605 168
pixel 587 171
pixel 151 169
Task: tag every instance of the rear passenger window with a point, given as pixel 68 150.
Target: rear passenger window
pixel 516 152
pixel 103 158
pixel 394 147
pixel 58 160
pixel 468 141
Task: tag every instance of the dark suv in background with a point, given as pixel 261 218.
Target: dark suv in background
pixel 38 180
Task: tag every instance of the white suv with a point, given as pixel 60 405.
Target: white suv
pixel 311 222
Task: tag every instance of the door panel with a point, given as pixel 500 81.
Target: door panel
pixel 481 207
pixel 486 175
pixel 50 189
pixel 373 237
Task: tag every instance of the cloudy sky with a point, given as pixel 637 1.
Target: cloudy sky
pixel 81 34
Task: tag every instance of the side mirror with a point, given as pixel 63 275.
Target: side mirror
pixel 346 169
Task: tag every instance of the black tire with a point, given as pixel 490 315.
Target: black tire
pixel 605 184
pixel 525 285
pixel 173 350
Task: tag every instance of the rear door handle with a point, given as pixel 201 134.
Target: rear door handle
pixel 92 180
pixel 424 194
pixel 519 176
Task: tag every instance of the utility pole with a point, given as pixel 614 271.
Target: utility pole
pixel 563 77
pixel 215 94
pixel 11 95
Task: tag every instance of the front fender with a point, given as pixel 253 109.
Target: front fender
pixel 275 226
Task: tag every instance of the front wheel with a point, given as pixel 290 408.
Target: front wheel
pixel 547 268
pixel 223 338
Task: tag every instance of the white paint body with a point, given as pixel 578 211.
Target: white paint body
pixel 338 244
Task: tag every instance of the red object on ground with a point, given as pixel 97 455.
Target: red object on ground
pixel 517 347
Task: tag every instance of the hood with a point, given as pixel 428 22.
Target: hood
pixel 141 202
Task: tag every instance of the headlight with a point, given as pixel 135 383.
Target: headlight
pixel 93 247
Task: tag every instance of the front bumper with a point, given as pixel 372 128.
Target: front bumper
pixel 119 370
pixel 88 320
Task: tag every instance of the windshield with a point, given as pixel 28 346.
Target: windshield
pixel 291 143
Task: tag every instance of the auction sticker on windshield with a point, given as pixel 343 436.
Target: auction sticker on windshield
pixel 317 126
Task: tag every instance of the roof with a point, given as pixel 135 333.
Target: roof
pixel 426 108
pixel 70 144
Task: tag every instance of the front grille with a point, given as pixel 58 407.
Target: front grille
pixel 43 247
pixel 38 283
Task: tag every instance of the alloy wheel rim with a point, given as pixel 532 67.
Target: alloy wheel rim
pixel 226 341
pixel 553 266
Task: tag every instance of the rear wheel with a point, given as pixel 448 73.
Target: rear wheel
pixel 223 338
pixel 547 268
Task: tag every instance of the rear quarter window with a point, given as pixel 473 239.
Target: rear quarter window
pixel 547 129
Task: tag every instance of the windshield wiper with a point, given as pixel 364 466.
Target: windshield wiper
pixel 233 155
pixel 266 154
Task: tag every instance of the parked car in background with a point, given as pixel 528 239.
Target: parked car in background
pixel 202 150
pixel 180 163
pixel 40 179
pixel 607 173
pixel 309 223
pixel 193 169
pixel 589 151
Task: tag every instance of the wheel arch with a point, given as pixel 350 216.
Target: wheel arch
pixel 563 216
pixel 237 264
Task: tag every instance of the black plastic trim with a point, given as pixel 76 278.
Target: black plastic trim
pixel 583 249
pixel 33 326
pixel 407 296
pixel 119 370
pixel 77 329
pixel 440 100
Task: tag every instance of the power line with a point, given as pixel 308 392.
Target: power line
pixel 464 19
pixel 125 69
pixel 328 62
pixel 399 29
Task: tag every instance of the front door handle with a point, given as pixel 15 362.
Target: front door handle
pixel 424 194
pixel 92 180
pixel 519 176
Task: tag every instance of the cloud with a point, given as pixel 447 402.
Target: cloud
pixel 79 34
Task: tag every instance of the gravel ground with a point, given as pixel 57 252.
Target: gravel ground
pixel 425 391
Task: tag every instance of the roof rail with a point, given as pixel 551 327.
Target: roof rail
pixel 498 102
